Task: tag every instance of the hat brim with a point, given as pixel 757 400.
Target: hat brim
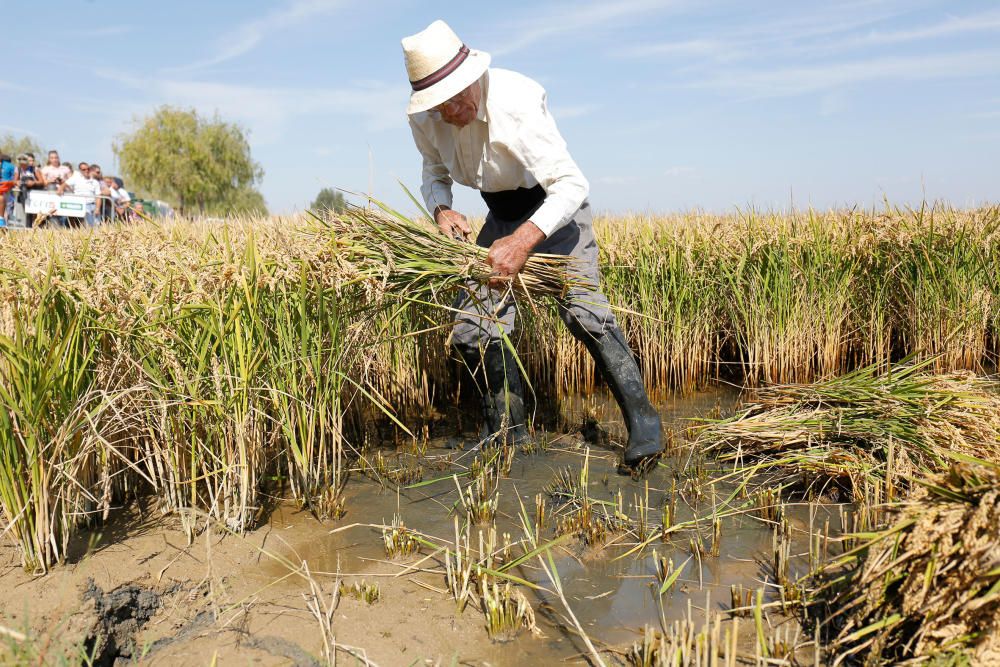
pixel 467 73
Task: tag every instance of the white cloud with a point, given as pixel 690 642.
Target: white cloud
pixel 248 35
pixel 833 103
pixel 571 18
pixel 673 172
pixel 615 180
pixel 681 48
pixel 267 110
pixel 787 81
pixel 110 31
pixel 18 130
pixel 573 111
pixel 949 26
pixel 803 33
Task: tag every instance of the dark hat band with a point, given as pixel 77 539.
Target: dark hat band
pixel 441 73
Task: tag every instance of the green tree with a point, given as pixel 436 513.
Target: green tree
pixel 329 199
pixel 176 155
pixel 246 201
pixel 12 145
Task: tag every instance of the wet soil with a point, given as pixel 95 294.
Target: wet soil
pixel 138 592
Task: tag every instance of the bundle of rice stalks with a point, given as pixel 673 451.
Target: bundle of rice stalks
pixel 408 257
pixel 929 585
pixel 867 429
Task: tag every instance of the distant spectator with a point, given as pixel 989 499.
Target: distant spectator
pixel 82 184
pixel 103 204
pixel 7 171
pixel 27 174
pixel 27 178
pixel 117 190
pixel 7 168
pixel 120 198
pixel 53 173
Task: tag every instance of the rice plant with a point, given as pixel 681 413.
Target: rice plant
pixel 480 498
pixel 398 540
pixel 378 467
pixel 564 485
pixel 361 590
pixel 215 366
pixel 461 569
pixel 506 608
pixel 685 643
pixel 48 402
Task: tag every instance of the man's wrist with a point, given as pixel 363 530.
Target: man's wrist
pixel 530 234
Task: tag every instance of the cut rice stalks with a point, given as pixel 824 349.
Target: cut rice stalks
pixel 929 585
pixel 408 257
pixel 866 432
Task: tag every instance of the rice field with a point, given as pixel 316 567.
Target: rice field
pixel 215 370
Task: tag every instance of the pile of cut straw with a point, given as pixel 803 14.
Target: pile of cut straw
pixel 929 585
pixel 866 427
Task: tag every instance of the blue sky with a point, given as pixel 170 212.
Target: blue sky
pixel 666 105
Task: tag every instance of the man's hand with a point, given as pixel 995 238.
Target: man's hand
pixel 508 254
pixel 452 223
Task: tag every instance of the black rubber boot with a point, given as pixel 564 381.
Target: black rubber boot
pixel 617 365
pixel 501 389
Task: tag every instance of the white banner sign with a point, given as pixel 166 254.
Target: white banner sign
pixel 48 202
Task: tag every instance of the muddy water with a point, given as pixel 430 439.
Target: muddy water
pixel 612 596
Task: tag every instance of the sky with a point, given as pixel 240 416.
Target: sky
pixel 666 105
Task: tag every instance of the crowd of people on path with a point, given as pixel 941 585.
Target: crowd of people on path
pixel 105 196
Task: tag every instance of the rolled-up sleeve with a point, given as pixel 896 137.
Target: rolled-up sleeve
pixel 542 150
pixel 436 180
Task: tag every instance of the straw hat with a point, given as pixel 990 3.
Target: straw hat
pixel 439 66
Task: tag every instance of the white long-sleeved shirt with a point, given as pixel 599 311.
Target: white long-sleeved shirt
pixel 513 143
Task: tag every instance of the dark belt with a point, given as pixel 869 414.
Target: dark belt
pixel 511 205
